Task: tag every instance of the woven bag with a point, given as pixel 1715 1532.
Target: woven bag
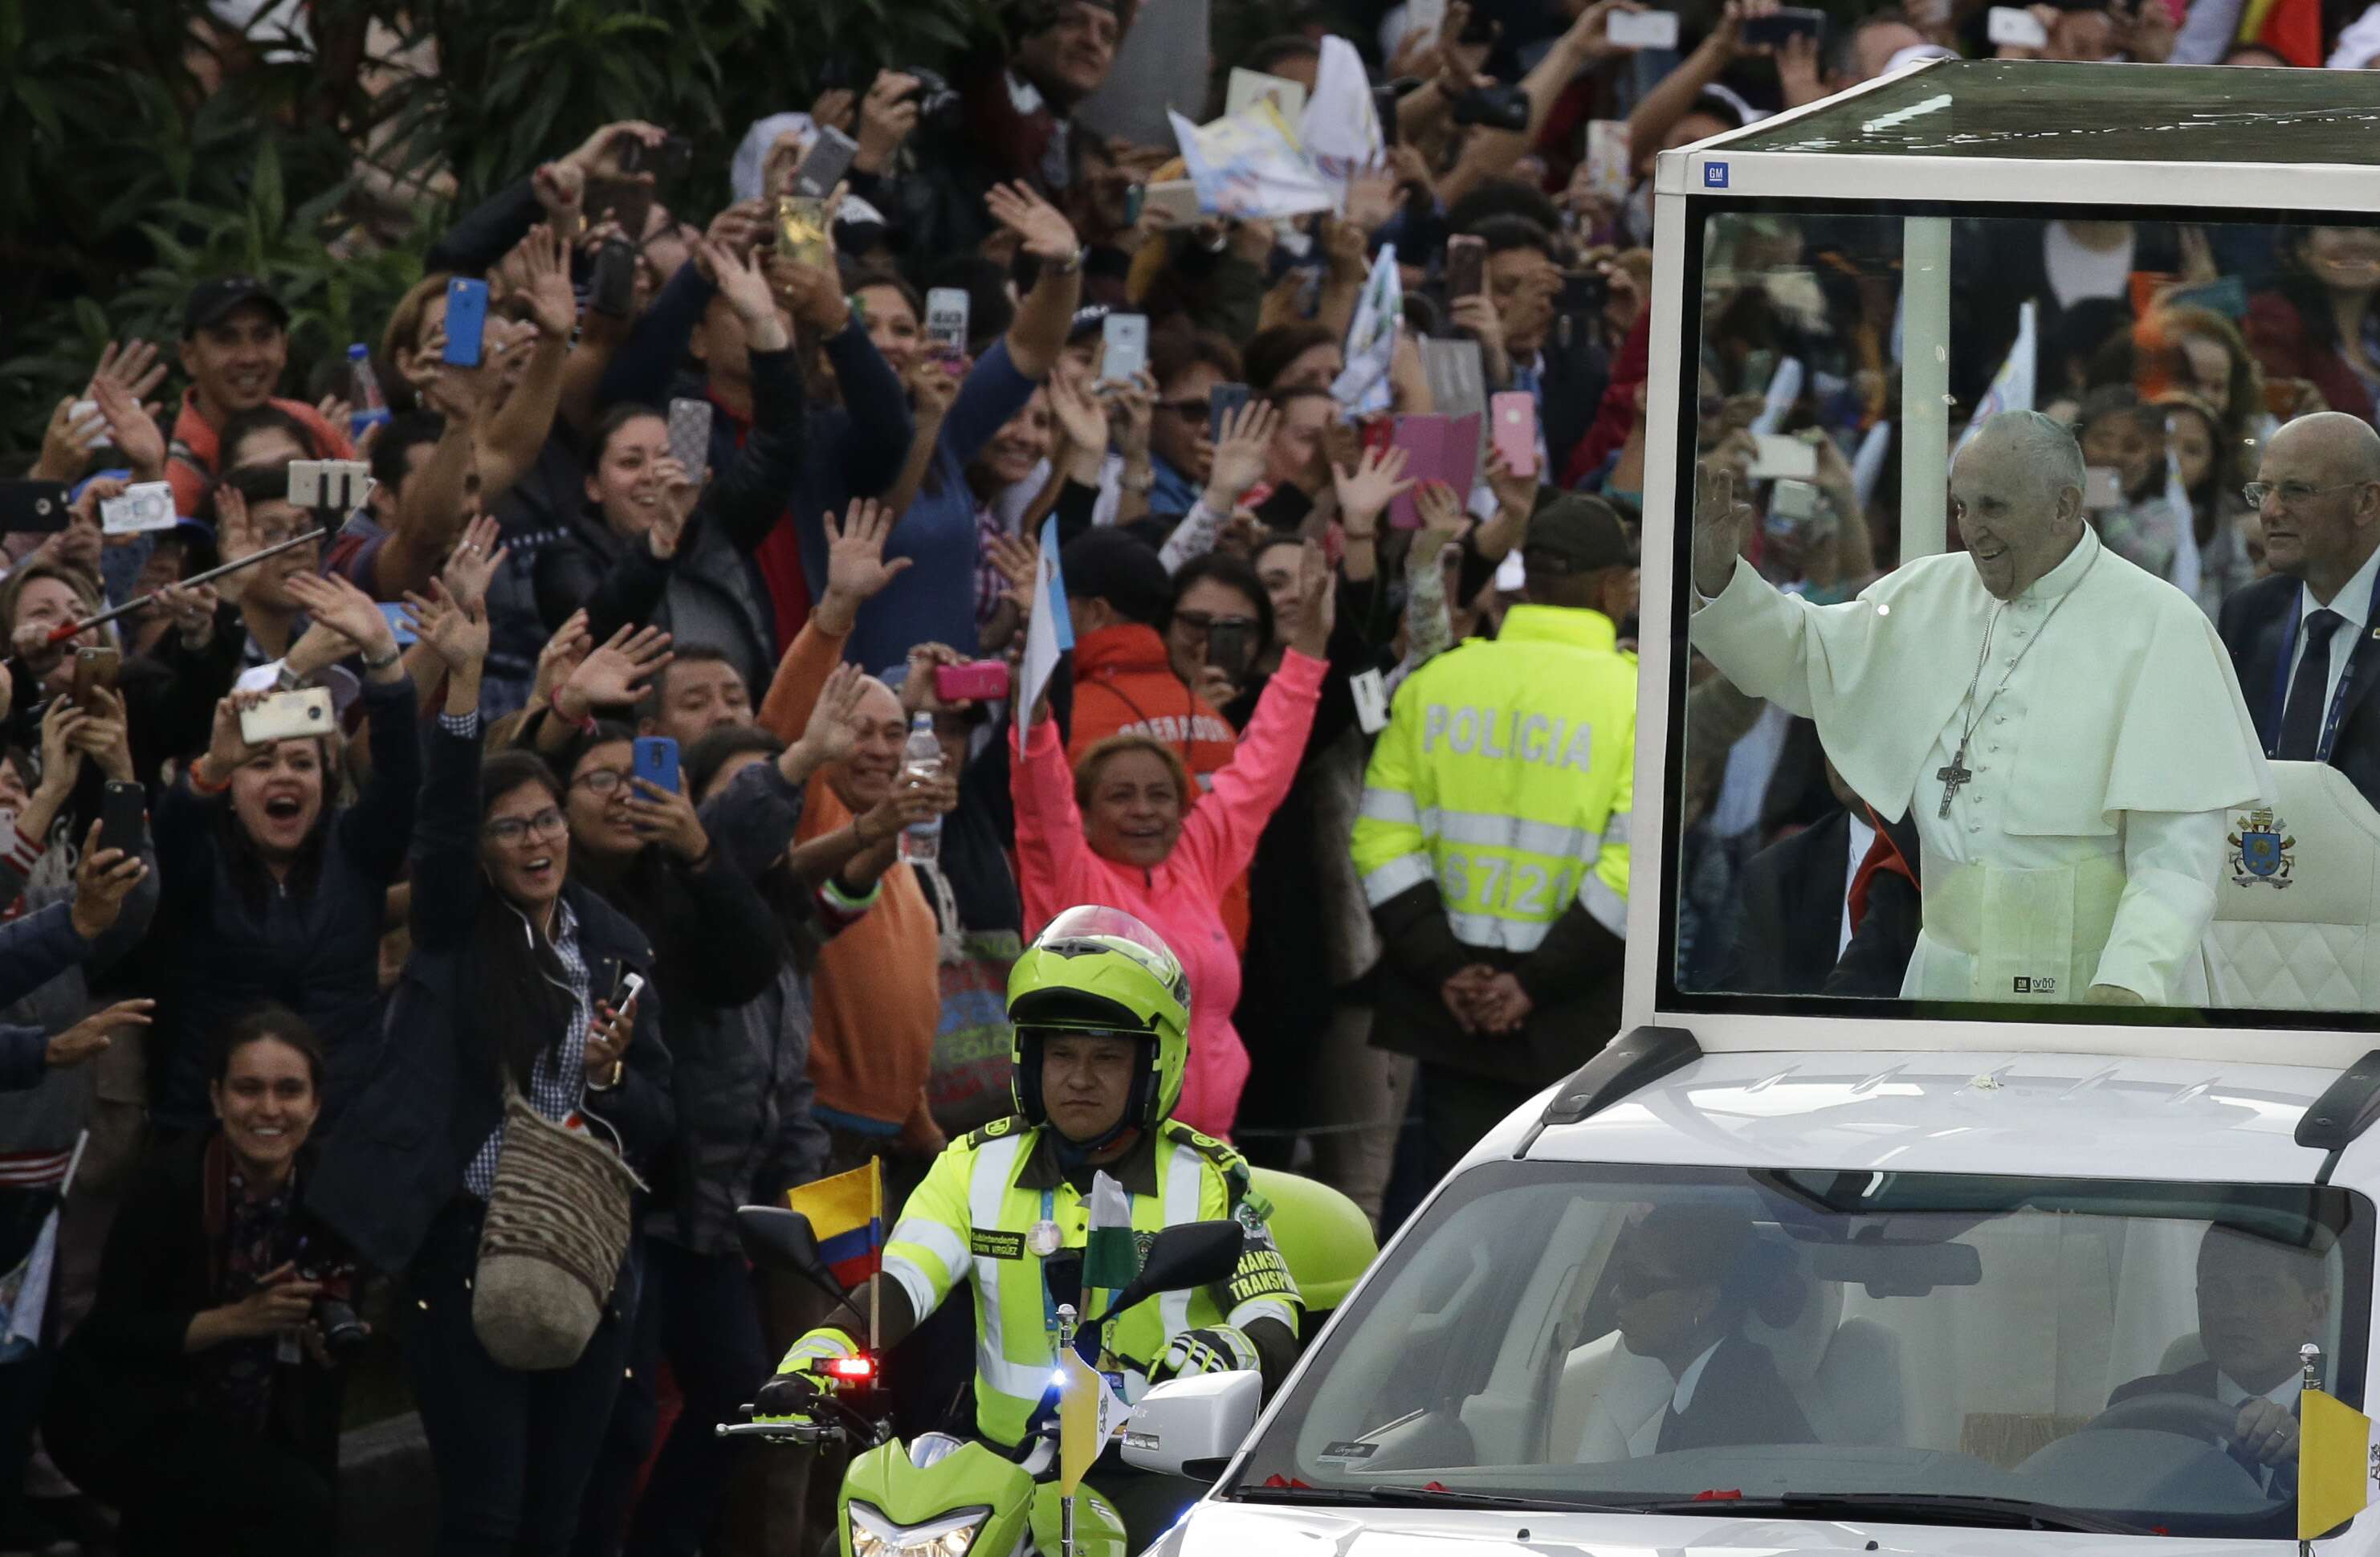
pixel 556 1230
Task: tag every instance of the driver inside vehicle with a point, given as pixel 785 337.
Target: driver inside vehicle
pixel 1684 1282
pixel 2258 1302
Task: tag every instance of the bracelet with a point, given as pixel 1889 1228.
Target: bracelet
pixel 1073 262
pixel 396 652
pixel 610 1081
pixel 198 782
pixel 1140 485
pixel 553 701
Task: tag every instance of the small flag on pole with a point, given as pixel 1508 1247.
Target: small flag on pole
pixel 2012 386
pixel 2336 1463
pixel 1110 1253
pixel 846 1216
pixel 1088 1414
pixel 1048 634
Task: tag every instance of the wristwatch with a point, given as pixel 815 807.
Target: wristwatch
pixel 1072 263
pixel 1139 485
pixel 394 654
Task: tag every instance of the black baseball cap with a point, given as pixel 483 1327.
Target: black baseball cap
pixel 1575 534
pixel 211 302
pixel 1113 566
pixel 1088 321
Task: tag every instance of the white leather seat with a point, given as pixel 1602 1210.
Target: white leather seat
pixel 2296 931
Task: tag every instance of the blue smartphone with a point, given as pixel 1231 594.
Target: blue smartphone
pixel 467 321
pixel 656 761
pixel 399 622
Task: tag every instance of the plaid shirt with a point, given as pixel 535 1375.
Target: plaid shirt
pixel 558 1078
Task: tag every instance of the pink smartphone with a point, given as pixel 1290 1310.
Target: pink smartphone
pixel 1514 434
pixel 982 680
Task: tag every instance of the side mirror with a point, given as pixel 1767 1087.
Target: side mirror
pixel 780 1238
pixel 1190 1254
pixel 1192 1427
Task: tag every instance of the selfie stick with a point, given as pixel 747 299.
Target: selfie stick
pixel 67 631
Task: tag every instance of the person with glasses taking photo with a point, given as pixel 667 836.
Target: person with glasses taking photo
pixel 2301 639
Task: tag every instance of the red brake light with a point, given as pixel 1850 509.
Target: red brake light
pixel 853 1369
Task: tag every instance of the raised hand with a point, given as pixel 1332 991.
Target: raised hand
pixel 613 675
pixel 1239 456
pixel 561 655
pixel 599 155
pixel 105 736
pixel 1366 493
pixel 1722 525
pixel 829 735
pixel 1317 598
pixel 332 601
pixel 227 749
pixel 457 637
pixel 545 265
pixel 1019 561
pixel 856 567
pixel 917 694
pixel 887 115
pixel 1041 229
pixel 812 293
pixel 193 606
pixel 87 1037
pixel 131 429
pixel 1079 417
pixel 66 441
pixel 135 367
pixel 560 188
pixel 473 563
pixel 104 879
pixel 1516 495
pixel 678 496
pixel 1131 408
pixel 1440 506
pixel 61 757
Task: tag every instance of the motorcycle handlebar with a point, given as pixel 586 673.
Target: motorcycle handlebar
pixel 795 1432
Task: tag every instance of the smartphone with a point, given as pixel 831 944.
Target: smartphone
pixel 2014 27
pixel 1780 455
pixel 288 716
pixel 982 681
pixel 946 320
pixel 1642 29
pixel 1384 108
pixel 1232 647
pixel 1782 23
pixel 306 483
pixel 611 284
pixel 94 667
pixel 467 321
pixel 1247 88
pixel 145 505
pixel 1514 415
pixel 1606 155
pixel 624 993
pixel 824 163
pixel 123 815
pixel 667 160
pixel 1222 401
pixel 400 621
pixel 2103 488
pixel 1127 347
pixel 1466 264
pixel 656 761
pixel 2227 296
pixel 1175 200
pixel 802 223
pixel 628 202
pixel 689 435
pixel 1795 502
pixel 34 505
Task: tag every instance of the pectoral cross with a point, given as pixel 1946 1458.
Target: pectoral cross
pixel 1956 774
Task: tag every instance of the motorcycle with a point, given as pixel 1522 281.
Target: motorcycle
pixel 941 1495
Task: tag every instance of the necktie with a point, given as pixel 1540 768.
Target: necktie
pixel 2302 720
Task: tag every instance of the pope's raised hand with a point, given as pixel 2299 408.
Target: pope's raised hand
pixel 1722 525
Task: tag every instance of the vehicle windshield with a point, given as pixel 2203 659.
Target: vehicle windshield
pixel 1640 1337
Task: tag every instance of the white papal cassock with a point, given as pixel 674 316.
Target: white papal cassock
pixel 2086 848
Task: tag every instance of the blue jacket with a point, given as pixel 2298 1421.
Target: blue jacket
pixel 432 1094
pixel 33 950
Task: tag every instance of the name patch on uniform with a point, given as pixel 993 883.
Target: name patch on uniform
pixel 996 1245
pixel 1262 1274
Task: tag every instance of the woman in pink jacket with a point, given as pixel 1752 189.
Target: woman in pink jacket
pixel 1128 829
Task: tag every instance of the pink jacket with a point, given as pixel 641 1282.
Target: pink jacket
pixel 1180 899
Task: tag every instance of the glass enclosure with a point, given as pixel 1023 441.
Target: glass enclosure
pixel 1861 1342
pixel 2082 804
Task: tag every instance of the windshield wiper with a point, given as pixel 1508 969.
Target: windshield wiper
pixel 1420 1497
pixel 1927 1507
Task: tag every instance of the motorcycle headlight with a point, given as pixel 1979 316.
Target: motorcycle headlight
pixel 872 1535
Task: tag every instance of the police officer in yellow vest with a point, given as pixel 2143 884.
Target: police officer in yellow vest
pixel 1493 838
pixel 1101 1013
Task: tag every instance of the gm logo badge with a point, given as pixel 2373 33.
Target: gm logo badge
pixel 1714 176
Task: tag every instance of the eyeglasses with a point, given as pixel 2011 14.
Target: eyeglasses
pixel 1188 410
pixel 602 780
pixel 2290 492
pixel 1633 1281
pixel 1202 622
pixel 513 829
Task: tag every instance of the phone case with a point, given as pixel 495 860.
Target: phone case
pixel 1607 158
pixel 1127 347
pixel 467 321
pixel 1222 401
pixel 37 507
pixel 689 435
pixel 1642 29
pixel 823 167
pixel 123 812
pixel 288 716
pixel 1514 434
pixel 611 287
pixel 656 761
pixel 1466 265
pixel 946 317
pixel 1439 448
pixel 144 506
pixel 95 667
pixel 306 482
pixel 2014 27
pixel 983 680
pixel 1173 200
pixel 802 233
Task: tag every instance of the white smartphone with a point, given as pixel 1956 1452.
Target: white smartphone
pixel 946 320
pixel 145 505
pixel 346 483
pixel 1250 87
pixel 2103 487
pixel 306 482
pixel 1607 156
pixel 1174 200
pixel 1126 335
pixel 2016 28
pixel 1781 456
pixel 1795 502
pixel 1642 29
pixel 288 716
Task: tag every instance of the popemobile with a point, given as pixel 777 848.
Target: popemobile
pixel 2019 1197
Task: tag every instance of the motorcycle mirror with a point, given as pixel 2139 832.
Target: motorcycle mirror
pixel 1190 1254
pixel 779 1238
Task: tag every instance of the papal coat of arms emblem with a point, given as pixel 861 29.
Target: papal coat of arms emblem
pixel 2259 851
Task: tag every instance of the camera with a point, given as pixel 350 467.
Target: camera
pixel 935 97
pixel 1505 108
pixel 343 1332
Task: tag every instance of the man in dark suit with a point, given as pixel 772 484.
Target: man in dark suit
pixel 1791 925
pixel 2302 641
pixel 1683 1288
pixel 2258 1302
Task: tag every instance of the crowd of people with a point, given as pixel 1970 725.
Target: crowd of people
pixel 615 816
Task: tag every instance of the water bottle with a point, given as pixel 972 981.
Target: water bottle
pixel 921 757
pixel 366 406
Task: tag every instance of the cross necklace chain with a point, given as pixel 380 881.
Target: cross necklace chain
pixel 1958 774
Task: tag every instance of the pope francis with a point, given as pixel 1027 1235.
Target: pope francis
pixel 2064 728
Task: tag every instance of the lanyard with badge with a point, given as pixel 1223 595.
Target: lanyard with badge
pixel 1044 1239
pixel 2290 627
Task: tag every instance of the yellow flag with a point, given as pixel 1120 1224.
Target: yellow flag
pixel 2334 1463
pixel 1084 1417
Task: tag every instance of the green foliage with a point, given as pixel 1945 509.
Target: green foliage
pixel 128 181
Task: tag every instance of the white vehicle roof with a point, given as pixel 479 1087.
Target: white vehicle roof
pixel 1949 1111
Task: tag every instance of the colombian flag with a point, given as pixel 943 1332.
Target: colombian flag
pixel 846 1213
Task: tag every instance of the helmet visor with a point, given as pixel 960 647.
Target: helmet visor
pixel 1118 930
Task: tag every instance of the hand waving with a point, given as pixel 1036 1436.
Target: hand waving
pixel 1039 226
pixel 473 563
pixel 856 567
pixel 1366 493
pixel 613 676
pixel 828 738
